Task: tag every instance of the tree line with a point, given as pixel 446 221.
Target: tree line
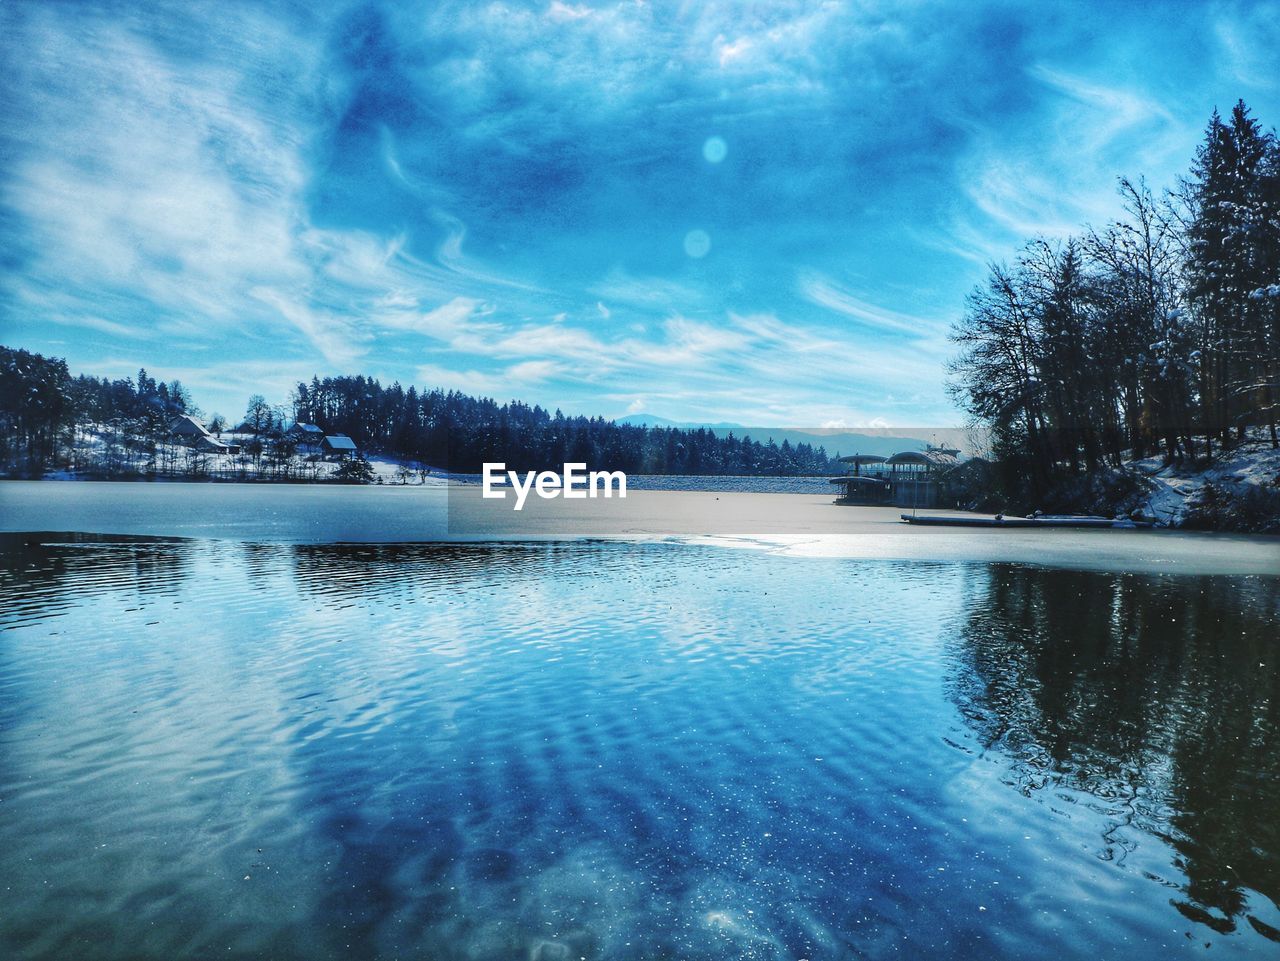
pixel 46 413
pixel 50 419
pixel 463 432
pixel 1156 334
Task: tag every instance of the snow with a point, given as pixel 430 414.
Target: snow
pixel 91 444
pixel 387 469
pixel 1175 490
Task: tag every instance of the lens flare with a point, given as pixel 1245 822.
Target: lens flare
pixel 697 244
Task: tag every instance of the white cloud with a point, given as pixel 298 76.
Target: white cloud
pixel 825 292
pixel 566 12
pixel 198 174
pixel 448 322
pixel 503 384
pixel 653 293
pixel 103 325
pixel 533 371
pixel 338 338
pixel 1058 170
pixel 176 192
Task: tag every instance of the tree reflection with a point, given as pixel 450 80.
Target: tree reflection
pixel 35 567
pixel 341 573
pixel 1158 698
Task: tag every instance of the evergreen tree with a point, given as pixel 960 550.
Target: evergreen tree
pixel 1228 260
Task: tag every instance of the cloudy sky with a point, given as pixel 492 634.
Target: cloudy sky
pixel 766 213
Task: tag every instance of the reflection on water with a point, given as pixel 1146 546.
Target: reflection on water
pixel 627 751
pixel 1156 702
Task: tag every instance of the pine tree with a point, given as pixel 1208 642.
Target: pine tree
pixel 1229 223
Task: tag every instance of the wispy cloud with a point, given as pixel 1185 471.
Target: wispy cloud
pixel 496 197
pixel 339 339
pixel 1248 35
pixel 827 293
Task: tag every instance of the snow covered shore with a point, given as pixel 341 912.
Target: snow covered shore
pixel 1238 491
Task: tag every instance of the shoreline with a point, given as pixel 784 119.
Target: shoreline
pixel 1238 491
pixel 443 478
pixel 787 524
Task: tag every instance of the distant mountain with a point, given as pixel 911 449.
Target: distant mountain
pixel 834 440
pixel 649 420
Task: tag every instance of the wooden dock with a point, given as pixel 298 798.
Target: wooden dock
pixel 1043 520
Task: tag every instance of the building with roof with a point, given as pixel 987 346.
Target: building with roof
pixel 306 433
pixel 187 429
pixel 189 432
pixel 211 445
pixel 308 437
pixel 906 479
pixel 867 481
pixel 339 445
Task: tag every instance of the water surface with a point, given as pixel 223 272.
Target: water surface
pixel 218 749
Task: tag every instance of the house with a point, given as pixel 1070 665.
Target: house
pixel 339 445
pixel 187 429
pixel 308 437
pixel 907 479
pixel 306 433
pixel 211 445
pixel 867 481
pixel 915 475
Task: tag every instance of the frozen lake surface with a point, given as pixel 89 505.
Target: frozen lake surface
pixel 803 524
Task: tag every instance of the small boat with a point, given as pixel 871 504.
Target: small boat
pixel 1036 520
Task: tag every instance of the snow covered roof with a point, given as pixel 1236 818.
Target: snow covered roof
pixel 186 424
pixel 310 429
pixel 339 442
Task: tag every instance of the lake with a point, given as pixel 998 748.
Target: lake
pixel 273 746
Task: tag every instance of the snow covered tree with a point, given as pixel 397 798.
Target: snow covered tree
pixel 1232 234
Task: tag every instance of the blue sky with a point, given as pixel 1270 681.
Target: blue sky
pixel 766 213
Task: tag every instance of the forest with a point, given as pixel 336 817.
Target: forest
pixel 1158 333
pixel 51 420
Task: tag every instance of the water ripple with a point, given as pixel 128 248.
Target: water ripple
pixel 627 751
